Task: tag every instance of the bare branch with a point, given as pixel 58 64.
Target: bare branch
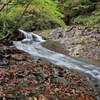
pixel 5 5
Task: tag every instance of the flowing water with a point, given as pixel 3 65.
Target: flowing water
pixel 91 72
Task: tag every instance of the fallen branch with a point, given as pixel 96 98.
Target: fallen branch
pixel 5 36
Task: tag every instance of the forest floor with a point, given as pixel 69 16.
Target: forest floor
pixel 23 77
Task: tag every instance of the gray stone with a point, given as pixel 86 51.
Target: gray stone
pixel 58 33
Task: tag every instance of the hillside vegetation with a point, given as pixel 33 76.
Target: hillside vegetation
pixel 33 15
pixel 81 12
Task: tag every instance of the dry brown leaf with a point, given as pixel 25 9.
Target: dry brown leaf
pixel 42 97
pixel 35 98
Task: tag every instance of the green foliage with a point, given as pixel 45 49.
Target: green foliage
pixel 40 14
pixel 81 12
pixel 86 38
pixel 14 14
pixel 1 35
pixel 92 20
pixel 46 14
pixel 72 6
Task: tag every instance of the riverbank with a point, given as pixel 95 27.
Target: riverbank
pixel 24 77
pixel 78 42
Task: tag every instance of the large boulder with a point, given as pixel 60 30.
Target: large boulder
pixel 58 33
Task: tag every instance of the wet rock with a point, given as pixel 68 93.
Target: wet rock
pixel 58 33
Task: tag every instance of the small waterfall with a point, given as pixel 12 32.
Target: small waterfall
pixel 29 36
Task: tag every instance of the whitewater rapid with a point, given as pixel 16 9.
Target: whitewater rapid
pixel 36 49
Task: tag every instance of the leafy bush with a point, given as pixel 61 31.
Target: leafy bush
pixel 29 15
pixel 90 20
pixel 46 14
pixel 40 14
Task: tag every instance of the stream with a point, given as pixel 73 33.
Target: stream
pixel 33 46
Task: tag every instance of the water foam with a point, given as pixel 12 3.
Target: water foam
pixel 29 36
